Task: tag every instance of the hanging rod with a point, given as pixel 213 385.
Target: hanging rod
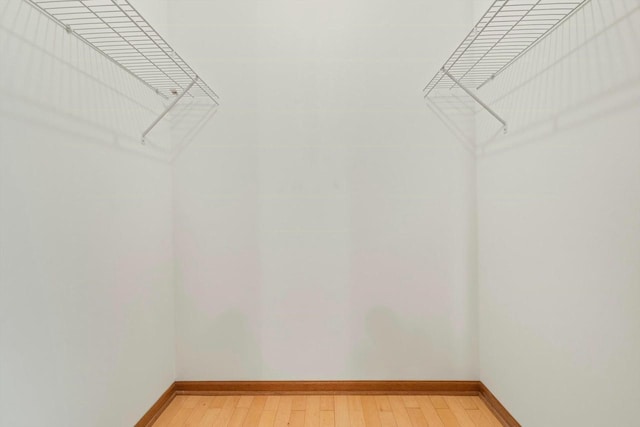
pixel 478 100
pixel 116 30
pixel 505 32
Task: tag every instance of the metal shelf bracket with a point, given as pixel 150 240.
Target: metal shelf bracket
pixel 478 100
pixel 169 108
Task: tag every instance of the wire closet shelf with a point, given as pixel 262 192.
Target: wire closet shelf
pixel 506 32
pixel 118 31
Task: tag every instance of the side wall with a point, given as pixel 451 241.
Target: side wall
pixel 559 222
pixel 323 220
pixel 86 296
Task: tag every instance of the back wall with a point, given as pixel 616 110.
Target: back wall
pixel 324 221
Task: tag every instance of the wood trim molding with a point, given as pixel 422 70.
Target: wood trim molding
pixel 156 409
pixel 460 388
pixel 328 387
pixel 497 408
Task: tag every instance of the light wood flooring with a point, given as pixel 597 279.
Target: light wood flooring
pixel 327 411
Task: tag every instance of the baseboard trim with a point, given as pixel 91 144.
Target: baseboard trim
pixel 328 387
pixel 497 408
pixel 459 388
pixel 156 409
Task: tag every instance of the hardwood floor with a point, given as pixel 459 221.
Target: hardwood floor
pixel 327 411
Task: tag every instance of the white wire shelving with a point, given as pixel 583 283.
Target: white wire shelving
pixel 504 34
pixel 119 32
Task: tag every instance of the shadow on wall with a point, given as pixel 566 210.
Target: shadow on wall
pixel 235 347
pixel 53 79
pixel 587 68
pixel 392 345
pixel 458 112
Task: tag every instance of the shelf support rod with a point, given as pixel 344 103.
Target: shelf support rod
pixel 475 97
pixel 166 111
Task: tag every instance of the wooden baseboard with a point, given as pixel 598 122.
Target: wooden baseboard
pixel 328 387
pixel 497 408
pixel 154 412
pixel 459 388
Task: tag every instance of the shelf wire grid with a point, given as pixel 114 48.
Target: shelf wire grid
pixel 117 30
pixel 507 30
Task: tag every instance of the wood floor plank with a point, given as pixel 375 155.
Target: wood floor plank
pixel 272 403
pixel 299 403
pixel 429 412
pixel 438 402
pixel 210 416
pixel 245 401
pixel 197 413
pixel 447 417
pixel 170 412
pixel 467 402
pixel 417 418
pixel 327 418
pixel 356 417
pixel 226 412
pixel 370 411
pixel 217 401
pixel 238 417
pixel 387 419
pixel 326 403
pixel 284 411
pixel 268 418
pixel 255 411
pixel 181 417
pixel 179 401
pixel 410 401
pixel 460 413
pixel 478 417
pixel 355 404
pixel 297 419
pixel 341 411
pixel 187 408
pixel 399 411
pixel 486 412
pixel 192 401
pixel 383 403
pixel 312 415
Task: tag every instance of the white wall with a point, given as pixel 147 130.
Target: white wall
pixel 559 227
pixel 86 269
pixel 323 221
